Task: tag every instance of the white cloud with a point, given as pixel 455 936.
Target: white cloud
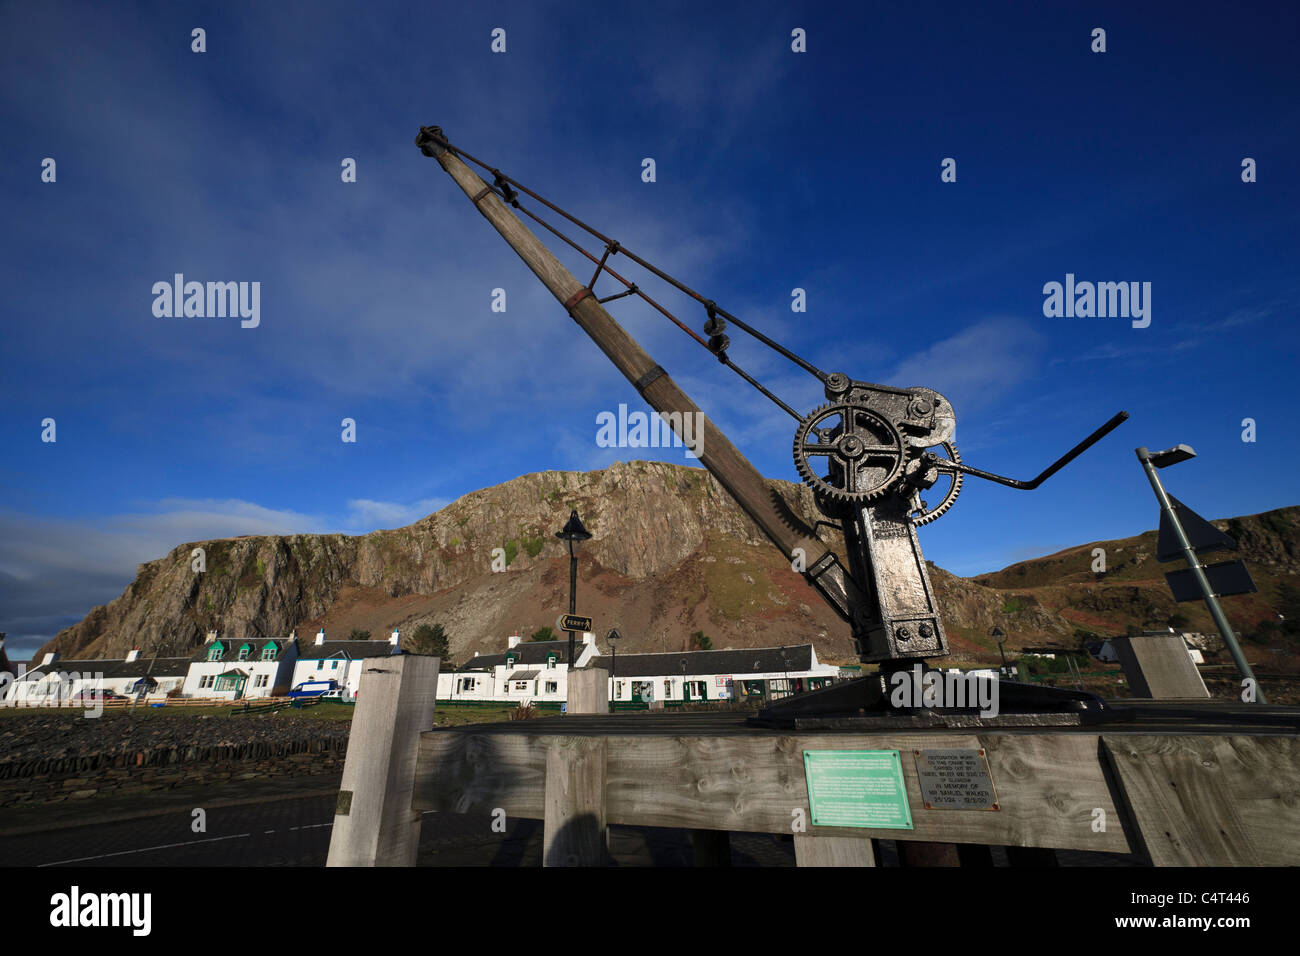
pixel 976 366
pixel 363 512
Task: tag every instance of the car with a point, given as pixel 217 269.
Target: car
pixel 314 688
pixel 96 696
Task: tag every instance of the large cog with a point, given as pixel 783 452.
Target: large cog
pixel 862 437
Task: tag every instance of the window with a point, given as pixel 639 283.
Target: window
pixel 262 680
pixel 244 651
pixel 467 683
pixel 215 652
pixel 268 652
pixel 618 689
pixel 334 665
pixel 550 662
pixel 205 682
pixel 552 687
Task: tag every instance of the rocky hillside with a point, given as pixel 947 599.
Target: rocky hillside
pixel 672 554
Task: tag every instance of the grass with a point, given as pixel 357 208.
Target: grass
pixel 324 711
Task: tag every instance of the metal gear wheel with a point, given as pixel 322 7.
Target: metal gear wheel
pixel 926 514
pixel 866 452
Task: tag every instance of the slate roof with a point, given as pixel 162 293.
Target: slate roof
pixel 526 652
pixel 351 650
pixel 233 644
pixel 524 675
pixel 736 663
pixel 161 667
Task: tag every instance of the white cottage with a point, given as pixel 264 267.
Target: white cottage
pixel 341 661
pixel 765 673
pixel 528 671
pixel 55 679
pixel 537 671
pixel 234 668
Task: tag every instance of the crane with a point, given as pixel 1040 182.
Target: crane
pixel 869 454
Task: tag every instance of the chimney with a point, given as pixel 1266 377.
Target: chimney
pixel 396 639
pixel 49 658
pixel 320 637
pixel 212 636
pixel 133 655
pixel 512 641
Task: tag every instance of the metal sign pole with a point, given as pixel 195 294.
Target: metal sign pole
pixel 1194 563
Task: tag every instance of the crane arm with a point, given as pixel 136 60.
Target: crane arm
pixel 787 531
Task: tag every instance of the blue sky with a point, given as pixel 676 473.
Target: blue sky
pixel 775 170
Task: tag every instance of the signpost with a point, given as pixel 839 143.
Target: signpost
pixel 572 622
pixel 1179 540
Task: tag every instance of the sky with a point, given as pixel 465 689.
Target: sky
pixel 774 170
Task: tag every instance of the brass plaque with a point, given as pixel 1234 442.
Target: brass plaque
pixel 956 779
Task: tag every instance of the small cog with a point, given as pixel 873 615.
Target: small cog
pixel 926 514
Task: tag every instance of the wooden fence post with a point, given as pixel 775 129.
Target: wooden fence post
pixel 573 829
pixel 588 691
pixel 833 851
pixel 374 824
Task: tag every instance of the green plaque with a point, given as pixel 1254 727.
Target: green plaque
pixel 857 788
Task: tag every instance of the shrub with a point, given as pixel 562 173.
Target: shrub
pixel 523 712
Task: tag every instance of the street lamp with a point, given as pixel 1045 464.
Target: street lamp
pixel 574 532
pixel 998 636
pixel 612 637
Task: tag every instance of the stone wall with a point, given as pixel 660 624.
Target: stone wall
pixel 107 757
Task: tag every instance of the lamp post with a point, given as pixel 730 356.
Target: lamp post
pixel 998 636
pixel 612 637
pixel 574 532
pixel 1163 459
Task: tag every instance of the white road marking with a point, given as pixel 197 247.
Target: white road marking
pixel 147 849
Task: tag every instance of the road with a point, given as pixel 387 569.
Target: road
pixel 276 828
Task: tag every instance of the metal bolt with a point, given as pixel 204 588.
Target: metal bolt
pixel 926 630
pixel 903 634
